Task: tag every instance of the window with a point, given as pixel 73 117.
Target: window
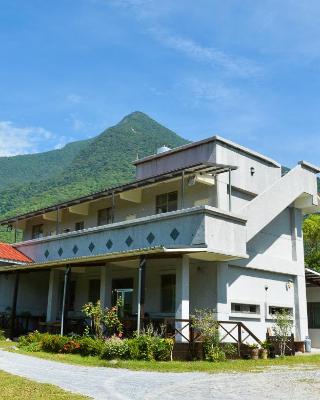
pixel 94 290
pixel 166 202
pixel 79 225
pixel 37 231
pixel 314 315
pixel 245 308
pixel 105 216
pixel 275 309
pixel 168 293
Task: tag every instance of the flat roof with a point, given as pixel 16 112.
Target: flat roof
pixel 207 167
pixel 215 138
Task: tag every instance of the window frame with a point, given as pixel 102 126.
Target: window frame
pixel 244 308
pixel 164 202
pixel 40 234
pixel 108 217
pixel 77 224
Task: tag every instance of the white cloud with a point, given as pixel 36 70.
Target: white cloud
pixel 238 66
pixel 21 140
pixel 74 98
pixel 77 124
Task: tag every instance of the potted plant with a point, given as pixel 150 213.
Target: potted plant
pixel 254 351
pixel 264 350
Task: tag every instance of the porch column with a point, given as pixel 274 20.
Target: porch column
pixel 222 292
pixel 141 290
pixel 105 286
pixel 14 304
pixel 182 299
pixel 53 295
pixel 65 300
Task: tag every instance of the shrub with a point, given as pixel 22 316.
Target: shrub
pixel 205 322
pixel 142 347
pixel 90 346
pixel 213 353
pixel 2 335
pixel 53 343
pixel 163 348
pixel 70 347
pixel 32 337
pixel 115 348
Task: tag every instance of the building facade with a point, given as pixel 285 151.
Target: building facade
pixel 207 225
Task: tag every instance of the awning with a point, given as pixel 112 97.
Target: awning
pixel 312 277
pixel 10 255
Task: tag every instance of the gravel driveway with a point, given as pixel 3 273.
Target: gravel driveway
pixel 119 384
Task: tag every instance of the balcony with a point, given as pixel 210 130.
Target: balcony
pixel 203 228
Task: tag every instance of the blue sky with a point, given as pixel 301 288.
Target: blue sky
pixel 246 70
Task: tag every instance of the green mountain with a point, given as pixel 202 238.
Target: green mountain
pixel 30 182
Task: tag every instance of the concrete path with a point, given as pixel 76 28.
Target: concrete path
pixel 119 384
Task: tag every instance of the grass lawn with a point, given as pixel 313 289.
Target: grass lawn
pixel 13 387
pixel 176 366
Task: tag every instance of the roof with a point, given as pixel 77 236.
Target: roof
pixel 191 169
pixel 12 255
pixel 208 140
pixel 312 277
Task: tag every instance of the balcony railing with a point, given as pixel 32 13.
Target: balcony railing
pixel 203 227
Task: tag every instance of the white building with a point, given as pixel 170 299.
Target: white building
pixel 207 225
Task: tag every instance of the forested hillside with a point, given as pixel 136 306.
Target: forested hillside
pixel 30 182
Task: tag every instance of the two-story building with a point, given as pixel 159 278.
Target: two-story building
pixel 210 224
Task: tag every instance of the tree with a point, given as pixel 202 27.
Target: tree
pixel 282 328
pixel 311 232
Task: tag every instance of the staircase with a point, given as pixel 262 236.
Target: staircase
pixel 298 186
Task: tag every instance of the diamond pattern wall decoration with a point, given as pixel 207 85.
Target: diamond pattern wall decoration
pixel 174 234
pixel 129 241
pixel 60 251
pixel 109 244
pixel 75 249
pixel 46 253
pixel 150 237
pixel 91 247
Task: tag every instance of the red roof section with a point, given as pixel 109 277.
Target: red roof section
pixel 8 252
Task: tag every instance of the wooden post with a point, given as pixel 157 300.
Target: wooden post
pixel 141 291
pixel 14 305
pixel 239 339
pixel 65 300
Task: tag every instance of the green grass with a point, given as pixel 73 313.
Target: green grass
pixel 178 366
pixel 14 387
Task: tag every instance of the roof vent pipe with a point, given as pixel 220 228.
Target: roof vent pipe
pixel 163 149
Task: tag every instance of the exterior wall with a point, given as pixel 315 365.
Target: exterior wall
pixel 313 296
pixel 249 287
pixel 176 160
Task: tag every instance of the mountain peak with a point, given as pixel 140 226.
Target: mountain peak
pixel 135 116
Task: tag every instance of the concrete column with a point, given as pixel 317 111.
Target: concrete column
pixel 300 297
pixel 182 298
pixel 106 286
pixel 222 308
pixel 53 295
pixel 300 305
